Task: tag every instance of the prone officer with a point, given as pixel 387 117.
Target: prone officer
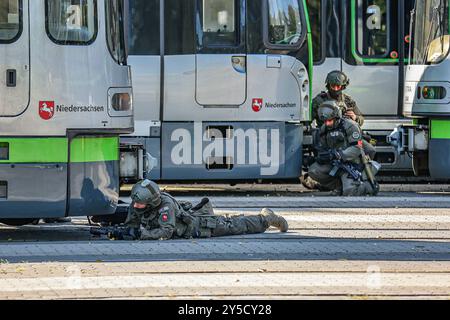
pixel 155 215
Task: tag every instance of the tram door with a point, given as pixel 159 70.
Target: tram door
pixel 372 54
pixel 221 62
pixel 14 57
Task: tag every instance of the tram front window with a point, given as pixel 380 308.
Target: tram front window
pixel 115 34
pixel 285 26
pixel 219 22
pixel 9 19
pixel 431 40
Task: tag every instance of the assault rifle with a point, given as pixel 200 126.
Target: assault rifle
pixel 351 169
pixel 115 232
pixel 355 171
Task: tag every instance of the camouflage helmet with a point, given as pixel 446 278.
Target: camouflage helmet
pixel 329 110
pixel 146 192
pixel 337 78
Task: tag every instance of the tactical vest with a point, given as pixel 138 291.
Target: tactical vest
pixel 337 137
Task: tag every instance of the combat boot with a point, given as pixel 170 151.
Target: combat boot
pixel 310 184
pixel 275 220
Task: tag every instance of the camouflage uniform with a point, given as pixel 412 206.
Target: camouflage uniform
pixel 345 103
pixel 345 136
pixel 170 220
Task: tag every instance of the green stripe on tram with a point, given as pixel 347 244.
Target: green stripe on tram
pixel 35 150
pixel 94 149
pixel 55 150
pixel 440 129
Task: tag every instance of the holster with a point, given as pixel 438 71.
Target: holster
pixel 208 222
pixel 206 225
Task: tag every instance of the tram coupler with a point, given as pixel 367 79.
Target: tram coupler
pixel 409 138
pixel 135 162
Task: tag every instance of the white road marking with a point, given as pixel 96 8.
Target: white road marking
pixel 372 279
pixel 374 218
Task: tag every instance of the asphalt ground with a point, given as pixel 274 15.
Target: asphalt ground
pixel 395 246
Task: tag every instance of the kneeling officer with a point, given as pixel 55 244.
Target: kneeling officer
pixel 341 163
pixel 155 215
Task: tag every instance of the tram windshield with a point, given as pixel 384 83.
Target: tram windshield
pixel 285 26
pixel 430 26
pixel 115 30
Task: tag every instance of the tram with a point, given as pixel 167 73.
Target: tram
pixel 427 92
pixel 221 89
pixel 366 39
pixel 65 97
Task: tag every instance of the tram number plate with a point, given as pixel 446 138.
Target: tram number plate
pixel 4 151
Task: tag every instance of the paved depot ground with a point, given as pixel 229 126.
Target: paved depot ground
pixel 396 246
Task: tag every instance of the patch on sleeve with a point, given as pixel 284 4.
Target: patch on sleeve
pixel 356 135
pixel 165 215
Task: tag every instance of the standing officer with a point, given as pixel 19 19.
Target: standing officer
pixel 157 215
pixel 341 140
pixel 336 83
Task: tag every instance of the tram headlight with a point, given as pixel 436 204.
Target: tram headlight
pixel 434 93
pixel 121 102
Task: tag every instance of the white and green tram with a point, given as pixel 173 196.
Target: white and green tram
pixel 427 92
pixel 221 88
pixel 65 96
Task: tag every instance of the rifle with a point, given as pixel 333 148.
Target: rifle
pixel 334 157
pixel 115 232
pixel 351 169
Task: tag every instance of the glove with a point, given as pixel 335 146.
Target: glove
pixel 336 155
pixel 325 157
pixel 115 235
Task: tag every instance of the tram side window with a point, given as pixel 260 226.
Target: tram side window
pixel 9 19
pixel 144 27
pixel 72 22
pixel 179 27
pixel 219 22
pixel 372 23
pixel 285 25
